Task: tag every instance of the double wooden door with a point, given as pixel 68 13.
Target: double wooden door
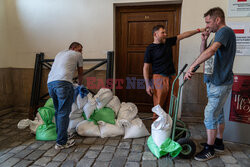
pixel 133 34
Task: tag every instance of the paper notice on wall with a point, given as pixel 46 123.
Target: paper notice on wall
pixel 238 8
pixel 242 32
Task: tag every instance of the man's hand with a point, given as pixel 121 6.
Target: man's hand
pixel 189 73
pixel 204 35
pixel 149 90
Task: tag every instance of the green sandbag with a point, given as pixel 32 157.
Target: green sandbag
pixel 49 103
pixel 104 114
pixel 168 146
pixel 46 131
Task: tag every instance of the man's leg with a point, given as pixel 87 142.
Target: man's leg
pixel 211 135
pixel 220 131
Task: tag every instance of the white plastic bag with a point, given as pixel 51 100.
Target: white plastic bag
pixel 110 130
pixel 73 123
pixel 128 111
pixel 103 97
pixel 90 107
pixel 24 123
pixel 87 128
pixel 136 129
pixel 114 104
pixel 81 101
pixel 34 124
pixel 161 127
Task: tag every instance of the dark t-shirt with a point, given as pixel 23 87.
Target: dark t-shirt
pixel 161 58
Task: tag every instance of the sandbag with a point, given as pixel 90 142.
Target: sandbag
pixel 161 127
pixel 128 111
pixel 49 103
pixel 88 128
pixel 103 97
pixel 24 123
pixel 104 114
pixel 90 106
pixel 75 112
pixel 136 129
pixel 115 104
pixel 168 146
pixel 109 130
pixel 73 123
pixel 35 123
pixel 81 101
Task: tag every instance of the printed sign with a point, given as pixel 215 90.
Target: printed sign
pixel 238 8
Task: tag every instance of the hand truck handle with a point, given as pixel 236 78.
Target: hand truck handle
pixel 183 68
pixel 196 68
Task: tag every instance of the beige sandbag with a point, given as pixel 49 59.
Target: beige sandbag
pixel 88 128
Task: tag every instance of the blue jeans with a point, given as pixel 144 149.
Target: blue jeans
pixel 214 113
pixel 62 93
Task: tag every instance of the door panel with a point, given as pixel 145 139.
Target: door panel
pixel 133 35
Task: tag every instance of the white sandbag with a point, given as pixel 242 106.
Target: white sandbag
pixel 114 104
pixel 90 107
pixel 103 97
pixel 159 111
pixel 24 123
pixel 161 127
pixel 87 128
pixel 34 124
pixel 136 129
pixel 123 122
pixel 110 130
pixel 75 114
pixel 81 101
pixel 128 111
pixel 73 123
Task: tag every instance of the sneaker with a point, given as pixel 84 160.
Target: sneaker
pixel 205 154
pixel 71 135
pixel 69 144
pixel 218 148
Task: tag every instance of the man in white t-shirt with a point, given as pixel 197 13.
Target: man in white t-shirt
pixel 61 89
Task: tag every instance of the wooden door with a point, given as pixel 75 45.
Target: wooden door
pixel 133 34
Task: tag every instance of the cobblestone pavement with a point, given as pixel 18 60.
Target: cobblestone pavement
pixel 19 148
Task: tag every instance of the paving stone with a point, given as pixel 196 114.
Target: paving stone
pixel 85 162
pixel 17 149
pixel 181 165
pixel 178 160
pixel 43 161
pixel 91 154
pixel 69 163
pixel 146 148
pixel 132 164
pixel 81 148
pixel 134 156
pixel 149 163
pixel 121 152
pixel 148 156
pixel 117 138
pixel 101 141
pixel 101 164
pixel 46 146
pixel 239 154
pixel 244 162
pixel 96 147
pixel 5 157
pixel 23 153
pixel 124 145
pixel 75 156
pixel 60 157
pixel 118 162
pixel 232 165
pixel 78 141
pixel 105 156
pixel 215 162
pixel 51 152
pixel 137 148
pixel 29 142
pixel 89 140
pixel 35 155
pixel 195 163
pixel 228 159
pixel 10 162
pixel 140 141
pixel 127 140
pixel 165 162
pixel 34 146
pixel 23 163
pixel 53 164
pixel 68 150
pixel 112 142
pixel 109 149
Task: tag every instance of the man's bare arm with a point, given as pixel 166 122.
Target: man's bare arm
pixel 189 33
pixel 149 89
pixel 80 75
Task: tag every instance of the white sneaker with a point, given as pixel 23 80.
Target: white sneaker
pixel 69 144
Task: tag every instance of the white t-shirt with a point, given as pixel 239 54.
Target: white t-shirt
pixel 65 65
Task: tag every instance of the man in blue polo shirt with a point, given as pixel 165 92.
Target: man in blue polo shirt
pixel 218 76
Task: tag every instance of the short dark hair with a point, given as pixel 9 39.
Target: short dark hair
pixel 215 12
pixel 156 28
pixel 73 45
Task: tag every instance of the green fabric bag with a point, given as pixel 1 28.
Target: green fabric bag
pixel 46 131
pixel 104 114
pixel 169 146
pixel 49 103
